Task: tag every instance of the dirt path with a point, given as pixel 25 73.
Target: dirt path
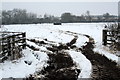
pixel 103 68
pixel 61 65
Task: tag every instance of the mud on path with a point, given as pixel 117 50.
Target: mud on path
pixel 61 64
pixel 61 67
pixel 103 68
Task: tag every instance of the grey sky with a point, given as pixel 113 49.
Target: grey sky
pixel 57 8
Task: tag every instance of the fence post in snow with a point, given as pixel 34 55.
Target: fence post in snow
pixel 119 25
pixel 104 37
pixel 24 40
pixel 119 15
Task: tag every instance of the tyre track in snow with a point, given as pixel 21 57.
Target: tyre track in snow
pixel 61 65
pixel 103 68
pixel 67 46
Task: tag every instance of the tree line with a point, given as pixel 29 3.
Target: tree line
pixel 21 16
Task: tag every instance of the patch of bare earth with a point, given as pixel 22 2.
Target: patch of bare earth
pixel 103 68
pixel 61 65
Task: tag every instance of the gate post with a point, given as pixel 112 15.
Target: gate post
pixel 24 40
pixel 104 37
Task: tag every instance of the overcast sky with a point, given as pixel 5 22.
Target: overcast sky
pixel 57 8
pixel 60 0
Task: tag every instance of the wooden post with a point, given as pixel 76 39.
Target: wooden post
pixel 118 25
pixel 24 40
pixel 13 48
pixel 105 37
pixel 9 46
pixel 0 51
pixel 119 15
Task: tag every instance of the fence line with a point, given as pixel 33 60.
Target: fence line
pixel 11 45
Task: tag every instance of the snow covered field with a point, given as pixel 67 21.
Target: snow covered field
pixel 58 34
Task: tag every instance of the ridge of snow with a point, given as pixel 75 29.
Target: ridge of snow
pixel 82 63
pixel 109 55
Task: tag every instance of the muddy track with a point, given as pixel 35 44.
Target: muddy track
pixel 61 65
pixel 103 68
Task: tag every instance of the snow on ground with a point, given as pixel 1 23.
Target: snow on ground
pixel 52 32
pixel 1 72
pixel 40 31
pixel 55 33
pixel 36 46
pixel 19 69
pixel 81 41
pixel 104 52
pixel 92 29
pixel 82 63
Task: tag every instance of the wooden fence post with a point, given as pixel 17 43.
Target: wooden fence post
pixel 9 46
pixel 24 40
pixel 13 47
pixel 105 37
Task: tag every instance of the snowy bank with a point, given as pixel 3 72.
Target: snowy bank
pixel 104 52
pixel 19 69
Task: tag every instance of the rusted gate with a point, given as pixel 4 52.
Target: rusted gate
pixel 12 44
